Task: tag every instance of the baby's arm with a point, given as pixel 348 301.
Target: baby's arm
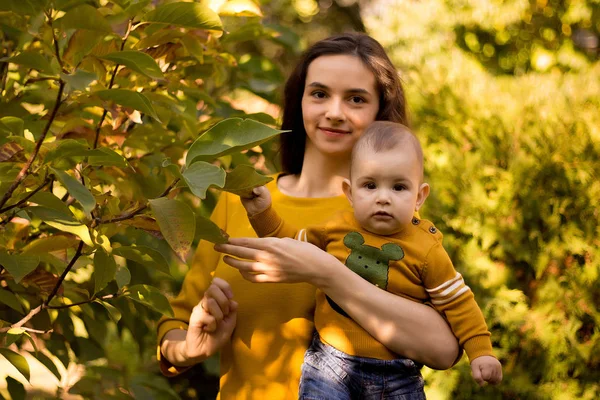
pixel 450 295
pixel 267 223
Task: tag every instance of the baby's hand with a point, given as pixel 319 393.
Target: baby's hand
pixel 259 202
pixel 486 369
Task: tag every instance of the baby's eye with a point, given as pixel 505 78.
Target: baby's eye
pixel 318 94
pixel 357 100
pixel 370 185
pixel 399 188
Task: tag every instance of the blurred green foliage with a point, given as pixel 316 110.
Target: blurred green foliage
pixel 513 160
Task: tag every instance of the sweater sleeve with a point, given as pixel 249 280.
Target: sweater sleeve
pixel 451 296
pixel 196 281
pixel 269 224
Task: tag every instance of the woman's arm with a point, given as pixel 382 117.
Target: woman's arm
pixel 411 329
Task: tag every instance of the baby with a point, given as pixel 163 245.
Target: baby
pixel 387 245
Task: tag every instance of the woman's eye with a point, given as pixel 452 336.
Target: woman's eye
pixel 318 94
pixel 357 100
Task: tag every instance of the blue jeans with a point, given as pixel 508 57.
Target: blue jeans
pixel 329 374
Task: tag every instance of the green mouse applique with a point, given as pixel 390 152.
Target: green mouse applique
pixel 369 262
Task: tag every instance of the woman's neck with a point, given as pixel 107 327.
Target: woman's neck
pixel 321 176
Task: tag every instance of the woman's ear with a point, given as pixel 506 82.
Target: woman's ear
pixel 422 195
pixel 347 188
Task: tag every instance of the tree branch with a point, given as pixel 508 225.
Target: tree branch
pixel 46 181
pixel 139 209
pixel 91 300
pixel 2 330
pixel 64 274
pixel 25 170
pixel 111 83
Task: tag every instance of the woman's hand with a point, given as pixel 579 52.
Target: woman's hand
pixel 277 260
pixel 211 324
pixel 258 202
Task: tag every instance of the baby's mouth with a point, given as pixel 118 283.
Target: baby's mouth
pixel 382 214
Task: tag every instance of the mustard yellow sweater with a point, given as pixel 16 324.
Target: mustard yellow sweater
pixel 412 264
pixel 275 321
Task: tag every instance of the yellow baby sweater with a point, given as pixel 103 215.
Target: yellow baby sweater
pixel 412 264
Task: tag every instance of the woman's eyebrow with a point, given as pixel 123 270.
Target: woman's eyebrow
pixel 323 86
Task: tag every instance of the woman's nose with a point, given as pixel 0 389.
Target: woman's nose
pixel 335 111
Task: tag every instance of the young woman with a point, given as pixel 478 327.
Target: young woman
pixel 340 86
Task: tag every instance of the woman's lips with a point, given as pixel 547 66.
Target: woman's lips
pixel 333 131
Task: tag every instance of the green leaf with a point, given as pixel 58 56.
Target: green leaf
pixel 49 244
pixel 15 388
pixel 62 222
pixel 48 363
pixel 105 156
pixel 80 45
pixel 18 265
pixel 243 179
pixel 177 223
pixel 80 80
pixel 201 175
pixel 85 17
pixel 12 125
pixel 208 230
pixel 145 256
pixel 49 200
pixel 17 360
pixel 185 15
pixel 123 277
pixel 151 297
pixel 129 98
pixel 67 148
pixel 113 312
pixel 11 300
pixel 105 268
pixel 12 335
pixel 23 7
pixel 230 136
pixel 137 61
pixel 31 60
pixel 76 189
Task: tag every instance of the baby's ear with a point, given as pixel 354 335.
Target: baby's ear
pixel 347 188
pixel 392 251
pixel 353 240
pixel 422 195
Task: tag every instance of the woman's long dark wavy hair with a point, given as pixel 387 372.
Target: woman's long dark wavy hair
pixel 392 103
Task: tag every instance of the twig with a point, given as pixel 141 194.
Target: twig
pixel 64 274
pixel 139 209
pixel 6 329
pixel 40 79
pixel 25 170
pixel 91 300
pixel 111 83
pixel 48 179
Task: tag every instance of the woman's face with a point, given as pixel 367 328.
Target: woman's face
pixel 340 100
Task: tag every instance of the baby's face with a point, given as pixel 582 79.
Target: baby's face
pixel 386 189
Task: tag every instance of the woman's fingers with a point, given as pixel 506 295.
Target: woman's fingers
pixel 236 244
pixel 215 294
